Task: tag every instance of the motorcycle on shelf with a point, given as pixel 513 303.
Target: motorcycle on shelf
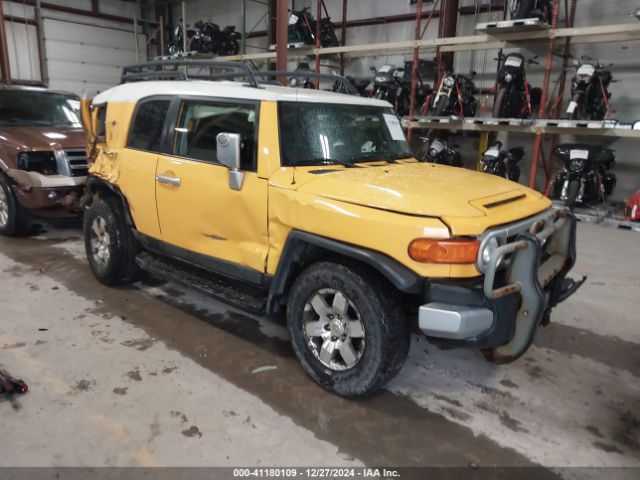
pixel 590 91
pixel 194 40
pixel 440 152
pixel 360 83
pixel 220 42
pixel 503 163
pixel 301 80
pixel 584 179
pixel 521 9
pixel 514 97
pixel 387 82
pixel 424 91
pixel 207 38
pixel 455 97
pixel 302 28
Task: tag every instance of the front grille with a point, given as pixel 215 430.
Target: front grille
pixel 78 162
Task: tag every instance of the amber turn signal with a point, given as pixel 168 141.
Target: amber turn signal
pixel 463 250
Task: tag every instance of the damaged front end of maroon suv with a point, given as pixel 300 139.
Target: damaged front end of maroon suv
pixel 43 160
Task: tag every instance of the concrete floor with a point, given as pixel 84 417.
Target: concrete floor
pixel 158 375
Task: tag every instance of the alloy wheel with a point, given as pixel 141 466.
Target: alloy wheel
pixel 4 208
pixel 100 241
pixel 334 329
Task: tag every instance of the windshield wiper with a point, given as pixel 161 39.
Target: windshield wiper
pixel 324 161
pixel 381 156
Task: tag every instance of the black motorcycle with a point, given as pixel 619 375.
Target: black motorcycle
pixel 425 74
pixel 590 92
pixel 360 84
pixel 302 28
pixel 195 40
pixel 585 178
pixel 503 163
pixel 387 83
pixel 301 80
pixel 455 97
pixel 440 152
pixel 541 9
pixel 220 42
pixel 514 98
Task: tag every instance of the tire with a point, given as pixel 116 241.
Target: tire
pixel 572 194
pixel 504 105
pixel 109 244
pixel 440 106
pixel 376 347
pixel 521 9
pixel 15 220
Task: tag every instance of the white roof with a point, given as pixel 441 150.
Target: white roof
pixel 135 91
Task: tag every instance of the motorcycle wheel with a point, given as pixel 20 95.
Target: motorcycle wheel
pixel 505 104
pixel 440 106
pixel 572 194
pixel 521 9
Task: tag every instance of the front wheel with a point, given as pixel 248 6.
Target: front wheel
pixel 15 220
pixel 505 104
pixel 440 106
pixel 347 328
pixel 521 9
pixel 109 243
pixel 572 194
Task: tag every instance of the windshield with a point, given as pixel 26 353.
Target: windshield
pixel 323 134
pixel 27 108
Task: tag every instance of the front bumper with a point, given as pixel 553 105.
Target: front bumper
pixel 502 312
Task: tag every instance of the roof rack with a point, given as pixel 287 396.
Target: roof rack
pixel 178 70
pixel 171 70
pixel 346 83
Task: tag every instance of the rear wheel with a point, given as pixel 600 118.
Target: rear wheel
pixel 15 220
pixel 109 243
pixel 347 328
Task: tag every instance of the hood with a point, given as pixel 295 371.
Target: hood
pixel 424 189
pixel 42 138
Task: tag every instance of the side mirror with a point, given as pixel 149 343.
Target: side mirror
pixel 228 152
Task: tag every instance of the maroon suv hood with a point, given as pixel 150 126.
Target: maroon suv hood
pixel 42 138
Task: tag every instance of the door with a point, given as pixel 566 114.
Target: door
pixel 198 212
pixel 139 160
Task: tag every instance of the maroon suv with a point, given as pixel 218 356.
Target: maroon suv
pixel 43 160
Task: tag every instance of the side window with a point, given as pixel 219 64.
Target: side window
pixel 146 129
pixel 100 122
pixel 200 123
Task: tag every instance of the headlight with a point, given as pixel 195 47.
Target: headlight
pixel 449 81
pixel 576 165
pixel 508 77
pixel 40 162
pixel 490 246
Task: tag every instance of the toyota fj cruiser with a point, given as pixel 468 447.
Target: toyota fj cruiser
pixel 311 203
pixel 43 161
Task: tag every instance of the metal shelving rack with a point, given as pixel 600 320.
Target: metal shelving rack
pixel 490 39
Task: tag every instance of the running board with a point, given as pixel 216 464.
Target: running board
pixel 232 292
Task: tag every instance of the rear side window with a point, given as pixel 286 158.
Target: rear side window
pixel 147 126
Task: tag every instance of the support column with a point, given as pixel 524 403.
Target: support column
pixel 5 69
pixel 448 28
pixel 44 69
pixel 282 36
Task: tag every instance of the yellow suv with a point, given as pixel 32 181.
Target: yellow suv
pixel 310 203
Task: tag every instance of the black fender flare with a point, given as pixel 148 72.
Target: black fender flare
pixel 299 247
pixel 94 185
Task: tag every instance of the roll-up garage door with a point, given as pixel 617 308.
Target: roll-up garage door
pixel 81 56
